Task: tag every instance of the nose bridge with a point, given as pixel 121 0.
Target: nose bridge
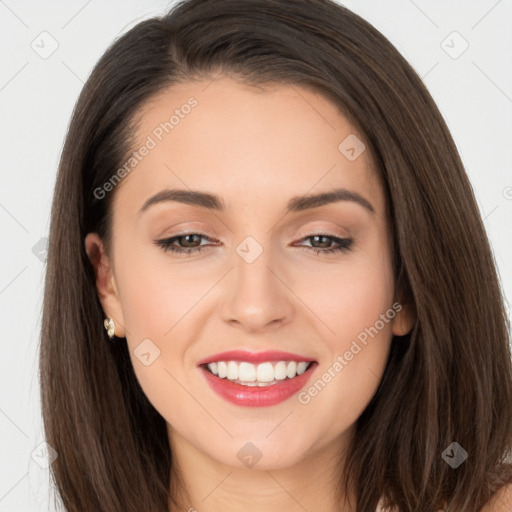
pixel 253 263
pixel 258 297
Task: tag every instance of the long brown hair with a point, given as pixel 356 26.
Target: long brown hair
pixel 448 380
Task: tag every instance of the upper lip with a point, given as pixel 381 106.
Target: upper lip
pixel 254 357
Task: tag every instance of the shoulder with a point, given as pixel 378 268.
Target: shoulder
pixel 501 501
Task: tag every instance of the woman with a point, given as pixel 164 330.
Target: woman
pixel 268 283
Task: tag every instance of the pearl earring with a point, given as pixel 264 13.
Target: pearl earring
pixel 110 326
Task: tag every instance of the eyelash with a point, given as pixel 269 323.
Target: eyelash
pixel 344 244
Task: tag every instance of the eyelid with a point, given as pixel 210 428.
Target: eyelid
pixel 303 232
pixel 322 231
pixel 187 230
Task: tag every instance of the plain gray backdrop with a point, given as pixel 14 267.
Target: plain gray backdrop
pixel 461 49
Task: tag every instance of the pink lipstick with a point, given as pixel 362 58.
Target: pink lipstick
pixel 256 379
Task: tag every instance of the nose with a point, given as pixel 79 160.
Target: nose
pixel 258 296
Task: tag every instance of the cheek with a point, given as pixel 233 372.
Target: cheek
pixel 363 325
pixel 362 299
pixel 367 322
pixel 352 297
pixel 156 293
pixel 157 302
pixel 359 309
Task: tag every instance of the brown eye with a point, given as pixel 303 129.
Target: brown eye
pixel 188 243
pixel 325 241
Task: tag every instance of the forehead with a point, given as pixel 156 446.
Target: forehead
pixel 246 143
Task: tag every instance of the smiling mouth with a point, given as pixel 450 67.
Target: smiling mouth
pixel 264 374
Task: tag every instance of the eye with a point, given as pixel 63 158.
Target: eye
pixel 343 244
pixel 189 239
pixel 190 243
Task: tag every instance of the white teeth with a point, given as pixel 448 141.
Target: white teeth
pixel 232 370
pixel 280 370
pixel 263 374
pixel 247 372
pixel 301 367
pixel 291 370
pixel 222 368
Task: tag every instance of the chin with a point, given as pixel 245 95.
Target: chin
pixel 259 453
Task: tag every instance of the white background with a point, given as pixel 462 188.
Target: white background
pixel 473 92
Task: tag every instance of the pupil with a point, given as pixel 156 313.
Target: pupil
pixel 316 237
pixel 187 237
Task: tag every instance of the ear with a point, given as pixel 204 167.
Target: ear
pixel 404 319
pixel 105 282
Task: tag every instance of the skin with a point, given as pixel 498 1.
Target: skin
pixel 501 501
pixel 256 148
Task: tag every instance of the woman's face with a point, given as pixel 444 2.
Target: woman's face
pixel 257 284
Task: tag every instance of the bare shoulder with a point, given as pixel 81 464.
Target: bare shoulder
pixel 501 501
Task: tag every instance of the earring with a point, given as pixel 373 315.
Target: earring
pixel 111 328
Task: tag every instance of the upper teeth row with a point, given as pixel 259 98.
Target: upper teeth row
pixel 263 372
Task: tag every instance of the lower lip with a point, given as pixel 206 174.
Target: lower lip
pixel 255 396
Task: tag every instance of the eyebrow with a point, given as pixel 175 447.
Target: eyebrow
pixel 295 204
